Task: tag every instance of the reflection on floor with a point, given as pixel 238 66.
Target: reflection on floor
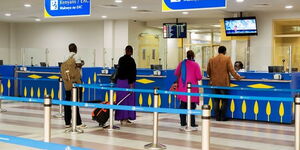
pixel 26 120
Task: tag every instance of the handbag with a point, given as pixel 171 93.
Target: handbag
pixel 114 76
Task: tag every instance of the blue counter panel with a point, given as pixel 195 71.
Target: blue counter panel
pixel 270 111
pixel 144 99
pixel 7 84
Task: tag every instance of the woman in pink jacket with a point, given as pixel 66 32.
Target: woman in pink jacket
pixel 188 71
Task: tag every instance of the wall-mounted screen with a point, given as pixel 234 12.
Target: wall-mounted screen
pixel 174 30
pixel 240 26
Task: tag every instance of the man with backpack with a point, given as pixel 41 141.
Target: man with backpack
pixel 71 73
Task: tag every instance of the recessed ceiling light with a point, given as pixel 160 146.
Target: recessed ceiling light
pixel 239 1
pixel 134 7
pixel 7 14
pixel 289 6
pixel 185 12
pixel 118 1
pixel 27 5
pixel 104 17
pixel 37 19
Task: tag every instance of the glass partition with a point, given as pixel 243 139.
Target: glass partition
pixel 33 56
pixel 5 56
pixel 287 56
pixel 52 56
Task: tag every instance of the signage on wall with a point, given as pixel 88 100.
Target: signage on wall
pixel 178 5
pixel 66 8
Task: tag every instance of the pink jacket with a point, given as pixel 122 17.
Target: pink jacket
pixel 193 75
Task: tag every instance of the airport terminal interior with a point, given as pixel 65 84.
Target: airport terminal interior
pixel 263 111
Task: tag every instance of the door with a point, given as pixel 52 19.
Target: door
pixel 148 50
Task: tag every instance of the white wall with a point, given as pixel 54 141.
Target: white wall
pixel 4 42
pixel 57 36
pixel 261 46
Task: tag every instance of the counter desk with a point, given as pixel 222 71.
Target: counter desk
pixel 37 81
pixel 270 111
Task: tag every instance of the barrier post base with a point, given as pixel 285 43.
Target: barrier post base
pixel 58 115
pixel 113 128
pixel 152 146
pixel 3 110
pixel 76 131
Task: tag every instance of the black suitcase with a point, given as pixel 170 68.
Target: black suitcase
pixel 101 115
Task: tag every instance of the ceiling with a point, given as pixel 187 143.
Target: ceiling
pixel 123 11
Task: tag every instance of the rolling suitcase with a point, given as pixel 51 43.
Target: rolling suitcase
pixel 101 115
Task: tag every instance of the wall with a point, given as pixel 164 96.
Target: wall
pixel 136 28
pixel 261 45
pixel 57 36
pixel 4 42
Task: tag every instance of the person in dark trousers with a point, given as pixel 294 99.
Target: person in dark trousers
pixel 218 70
pixel 74 71
pixel 126 77
pixel 188 71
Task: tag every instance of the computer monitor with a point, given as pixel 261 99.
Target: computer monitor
pixel 1 62
pixel 294 69
pixel 275 69
pixel 59 64
pixel 116 66
pixel 156 67
pixel 43 64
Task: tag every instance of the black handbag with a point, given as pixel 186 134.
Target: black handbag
pixel 113 77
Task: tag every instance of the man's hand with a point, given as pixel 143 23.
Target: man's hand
pixel 131 85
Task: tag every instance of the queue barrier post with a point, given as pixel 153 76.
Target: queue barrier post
pixel 297 122
pixel 188 127
pixel 60 95
pixel 155 145
pixel 47 118
pixel 206 114
pixel 74 129
pixel 111 111
pixel 1 92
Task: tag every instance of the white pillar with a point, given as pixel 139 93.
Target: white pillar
pixel 13 54
pixel 108 42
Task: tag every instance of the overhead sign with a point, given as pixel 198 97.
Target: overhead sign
pixel 178 5
pixel 66 8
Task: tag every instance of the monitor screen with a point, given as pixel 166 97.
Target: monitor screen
pixel 174 30
pixel 240 26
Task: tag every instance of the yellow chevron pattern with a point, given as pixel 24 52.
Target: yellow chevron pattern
pixel 260 86
pixel 34 76
pixel 145 81
pixel 53 77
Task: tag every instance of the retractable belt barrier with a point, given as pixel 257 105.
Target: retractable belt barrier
pixel 118 107
pixel 36 144
pixel 288 99
pixel 205 112
pixel 246 89
pixel 28 79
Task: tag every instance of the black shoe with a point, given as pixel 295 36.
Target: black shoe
pixel 218 119
pixel 195 125
pixel 224 119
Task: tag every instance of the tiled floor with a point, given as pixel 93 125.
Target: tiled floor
pixel 26 120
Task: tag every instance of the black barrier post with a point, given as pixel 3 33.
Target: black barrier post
pixel 205 127
pixel 74 113
pixel 1 92
pixel 60 95
pixel 47 118
pixel 297 122
pixel 155 145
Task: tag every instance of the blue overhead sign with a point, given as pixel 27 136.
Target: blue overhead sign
pixel 178 5
pixel 66 8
